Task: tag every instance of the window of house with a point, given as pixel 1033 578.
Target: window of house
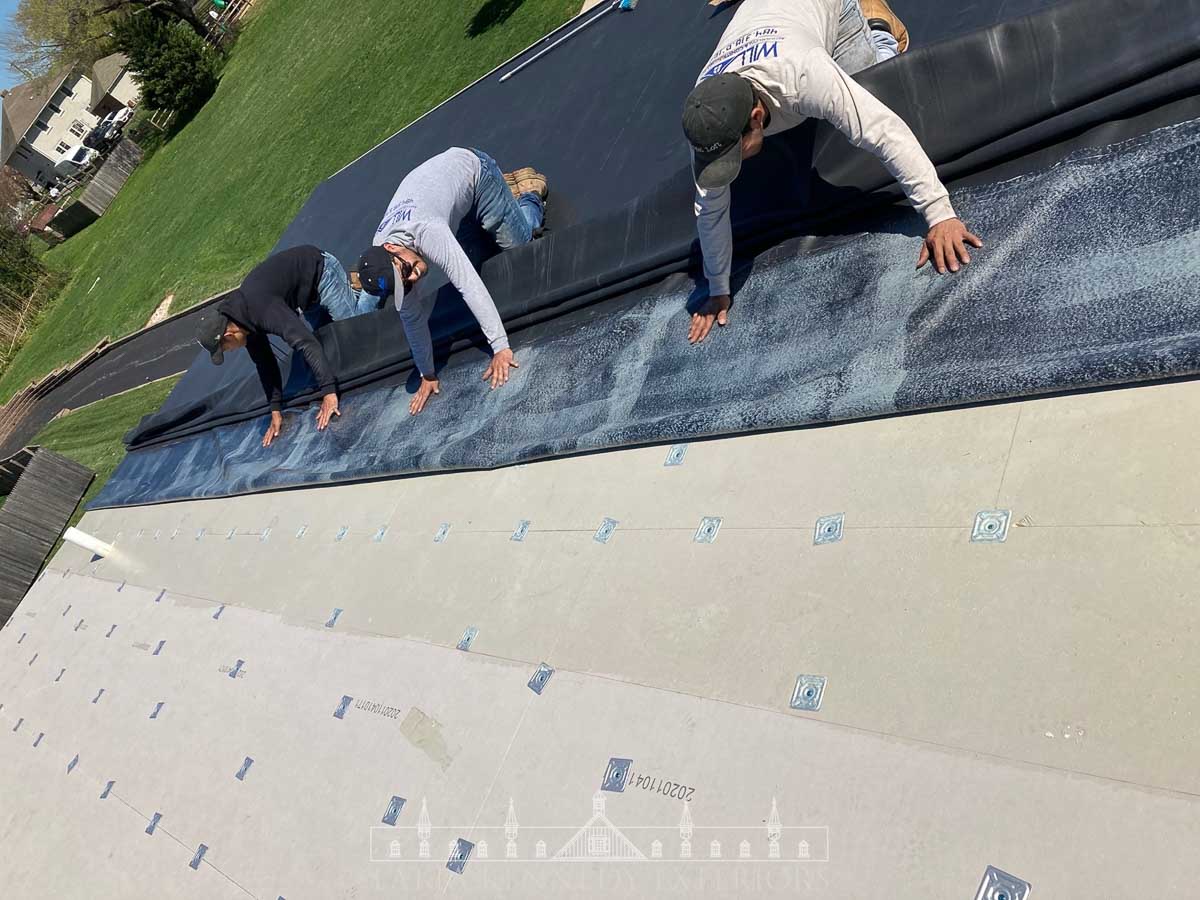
pixel 23 152
pixel 78 128
pixel 62 148
pixel 43 126
pixel 54 108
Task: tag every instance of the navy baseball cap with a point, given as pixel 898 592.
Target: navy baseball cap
pixel 376 272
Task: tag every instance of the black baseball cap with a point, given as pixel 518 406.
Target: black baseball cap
pixel 714 116
pixel 209 332
pixel 376 273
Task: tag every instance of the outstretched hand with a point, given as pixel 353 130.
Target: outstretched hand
pixel 946 245
pixel 274 428
pixel 429 387
pixel 329 409
pixel 714 312
pixel 497 370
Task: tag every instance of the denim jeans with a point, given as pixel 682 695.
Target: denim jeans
pixel 857 46
pixel 338 300
pixel 511 221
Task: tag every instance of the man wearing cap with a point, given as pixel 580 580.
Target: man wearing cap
pixel 418 230
pixel 778 63
pixel 299 282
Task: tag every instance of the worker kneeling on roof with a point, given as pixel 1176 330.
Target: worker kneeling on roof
pixel 299 282
pixel 419 230
pixel 778 63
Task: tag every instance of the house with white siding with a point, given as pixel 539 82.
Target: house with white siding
pixel 42 119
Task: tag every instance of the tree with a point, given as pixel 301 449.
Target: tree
pixel 47 34
pixel 175 69
pixel 180 10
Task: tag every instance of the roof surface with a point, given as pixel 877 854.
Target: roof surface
pixel 105 73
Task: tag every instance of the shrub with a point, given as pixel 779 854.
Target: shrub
pixel 175 69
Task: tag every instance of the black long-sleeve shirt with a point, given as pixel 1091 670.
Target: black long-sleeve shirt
pixel 269 302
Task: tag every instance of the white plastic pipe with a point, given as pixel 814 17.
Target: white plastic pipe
pixel 87 542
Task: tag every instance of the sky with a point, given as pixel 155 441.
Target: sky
pixel 7 76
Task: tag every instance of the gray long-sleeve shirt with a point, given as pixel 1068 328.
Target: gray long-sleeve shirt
pixel 423 216
pixel 784 48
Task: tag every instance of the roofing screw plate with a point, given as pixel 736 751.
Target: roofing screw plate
pixel 540 677
pixel 468 638
pixel 828 529
pixel 676 454
pixel 459 856
pixel 443 532
pixel 997 885
pixel 341 533
pixel 605 532
pixel 810 689
pixel 380 534
pixel 991 526
pixel 707 532
pixel 522 530
pixel 300 532
pixel 616 775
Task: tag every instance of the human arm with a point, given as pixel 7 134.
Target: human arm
pixel 415 310
pixel 824 90
pixel 438 245
pixel 280 320
pixel 716 247
pixel 264 361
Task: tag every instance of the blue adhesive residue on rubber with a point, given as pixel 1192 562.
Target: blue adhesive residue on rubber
pixel 828 329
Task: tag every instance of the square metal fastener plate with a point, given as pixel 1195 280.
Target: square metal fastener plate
pixel 707 532
pixel 676 454
pixel 810 689
pixel 991 526
pixel 605 532
pixel 540 677
pixel 998 885
pixel 616 775
pixel 828 529
pixel 521 531
pixel 459 856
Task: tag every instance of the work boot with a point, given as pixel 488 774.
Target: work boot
pixel 526 181
pixel 880 17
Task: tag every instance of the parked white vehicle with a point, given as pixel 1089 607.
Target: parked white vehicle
pixel 75 160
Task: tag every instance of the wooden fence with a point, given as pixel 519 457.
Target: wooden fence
pixel 100 191
pixel 33 518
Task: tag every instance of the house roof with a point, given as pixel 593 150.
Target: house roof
pixel 105 73
pixel 22 105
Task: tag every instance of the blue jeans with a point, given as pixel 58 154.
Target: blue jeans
pixel 511 221
pixel 858 47
pixel 338 300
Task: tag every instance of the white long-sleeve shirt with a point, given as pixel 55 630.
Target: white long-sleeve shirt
pixel 784 48
pixel 424 214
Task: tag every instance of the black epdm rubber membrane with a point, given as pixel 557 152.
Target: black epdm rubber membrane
pixel 993 90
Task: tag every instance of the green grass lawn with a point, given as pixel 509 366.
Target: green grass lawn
pixel 308 88
pixel 92 435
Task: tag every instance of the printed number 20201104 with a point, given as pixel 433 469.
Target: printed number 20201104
pixel 666 788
